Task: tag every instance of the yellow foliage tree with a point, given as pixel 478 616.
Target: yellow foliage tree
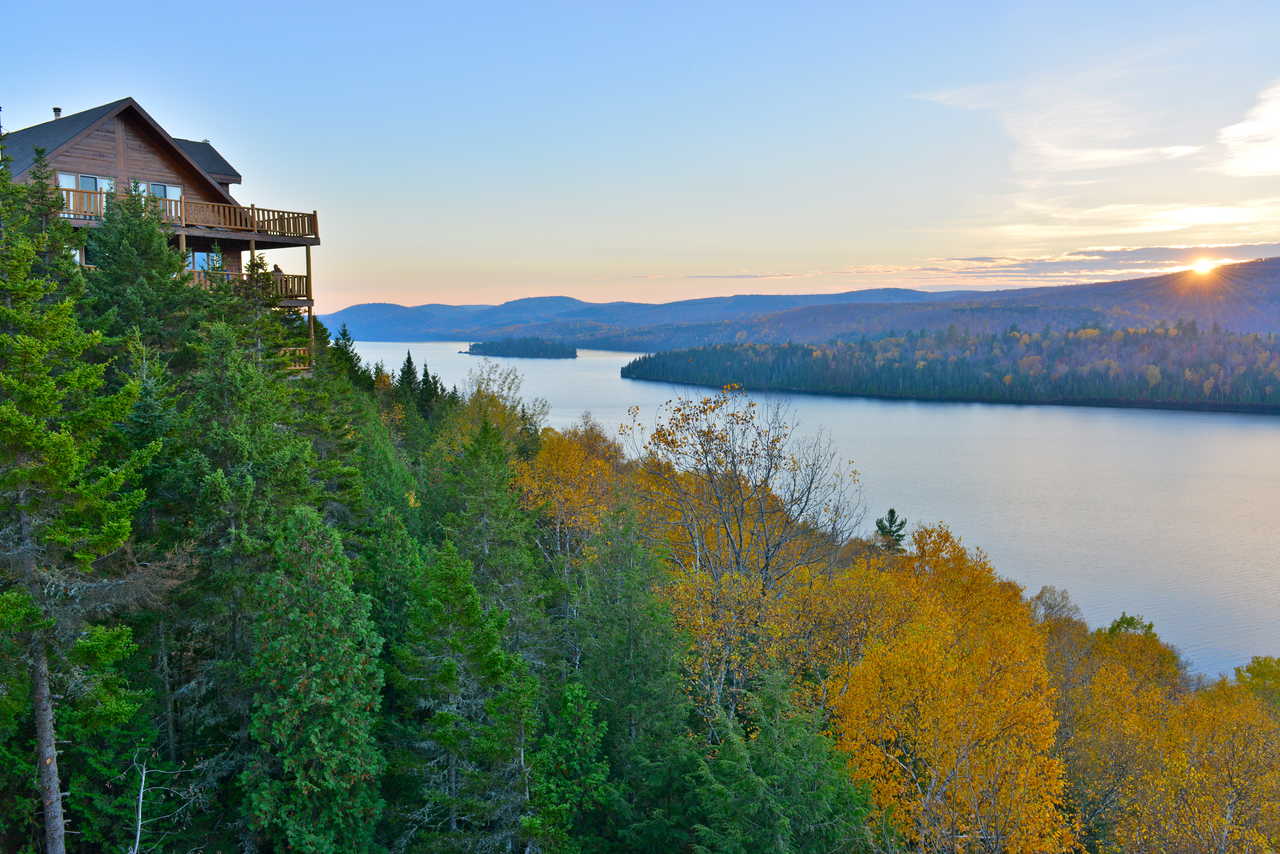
pixel 949 717
pixel 1211 782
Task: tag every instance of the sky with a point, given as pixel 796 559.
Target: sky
pixel 480 152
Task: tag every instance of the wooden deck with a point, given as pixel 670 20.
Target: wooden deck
pixel 291 288
pixel 91 204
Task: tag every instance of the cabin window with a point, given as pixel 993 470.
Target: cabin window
pixel 205 261
pixel 91 183
pixel 163 191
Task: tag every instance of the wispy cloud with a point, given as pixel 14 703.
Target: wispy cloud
pixel 1086 120
pixel 1087 264
pixel 1095 159
pixel 1253 144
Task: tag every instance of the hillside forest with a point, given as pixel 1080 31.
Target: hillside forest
pixel 1177 366
pixel 248 609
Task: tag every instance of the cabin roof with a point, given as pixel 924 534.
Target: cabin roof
pixel 21 145
pixel 209 159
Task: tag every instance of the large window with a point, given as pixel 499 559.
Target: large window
pixel 92 183
pixel 206 261
pixel 159 190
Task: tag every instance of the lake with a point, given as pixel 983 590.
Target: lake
pixel 1172 515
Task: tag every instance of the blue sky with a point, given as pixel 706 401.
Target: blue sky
pixel 483 152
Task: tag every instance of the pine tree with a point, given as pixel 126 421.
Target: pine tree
pixel 313 782
pixel 891 529
pixel 61 505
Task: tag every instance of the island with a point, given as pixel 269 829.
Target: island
pixel 524 348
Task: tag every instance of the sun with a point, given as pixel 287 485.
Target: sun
pixel 1204 265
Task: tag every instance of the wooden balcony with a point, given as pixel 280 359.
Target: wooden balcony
pixel 289 288
pixel 189 213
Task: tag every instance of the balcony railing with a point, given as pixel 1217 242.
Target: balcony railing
pixel 283 285
pixel 91 204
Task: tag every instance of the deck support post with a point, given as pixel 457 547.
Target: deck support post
pixel 311 316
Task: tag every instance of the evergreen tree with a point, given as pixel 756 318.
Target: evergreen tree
pixel 568 771
pixel 343 354
pixel 140 281
pixel 891 529
pixel 460 710
pixel 61 504
pixel 235 471
pixel 312 784
pixel 431 393
pixel 482 516
pixel 407 382
pixel 630 666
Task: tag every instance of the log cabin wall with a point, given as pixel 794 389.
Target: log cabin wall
pixel 126 149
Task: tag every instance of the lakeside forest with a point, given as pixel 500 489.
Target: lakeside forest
pixel 1176 366
pixel 245 609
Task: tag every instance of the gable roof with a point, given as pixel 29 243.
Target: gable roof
pixel 208 158
pixel 21 144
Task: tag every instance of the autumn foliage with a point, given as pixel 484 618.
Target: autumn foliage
pixel 979 719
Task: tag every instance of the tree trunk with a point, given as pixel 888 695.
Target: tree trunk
pixel 46 749
pixel 170 715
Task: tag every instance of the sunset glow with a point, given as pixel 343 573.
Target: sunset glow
pixel 1204 265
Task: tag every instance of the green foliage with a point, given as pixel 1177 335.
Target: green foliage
pixel 569 774
pixel 783 789
pixel 459 712
pixel 1132 624
pixel 140 280
pixel 1262 676
pixel 312 784
pixel 891 529
pixel 481 515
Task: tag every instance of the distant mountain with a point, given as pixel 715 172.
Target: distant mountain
pixel 566 315
pixel 1238 297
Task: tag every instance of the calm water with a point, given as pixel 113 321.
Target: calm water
pixel 1172 515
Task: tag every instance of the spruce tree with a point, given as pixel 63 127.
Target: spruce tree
pixel 61 504
pixel 460 713
pixel 312 784
pixel 407 383
pixel 140 280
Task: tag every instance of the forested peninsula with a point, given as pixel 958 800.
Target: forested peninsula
pixel 526 348
pixel 251 608
pixel 1177 366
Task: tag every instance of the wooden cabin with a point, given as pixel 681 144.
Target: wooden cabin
pixel 106 150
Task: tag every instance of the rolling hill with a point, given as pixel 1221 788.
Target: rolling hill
pixel 1238 297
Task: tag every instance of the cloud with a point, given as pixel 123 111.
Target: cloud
pixel 1087 264
pixel 1086 120
pixel 1253 144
